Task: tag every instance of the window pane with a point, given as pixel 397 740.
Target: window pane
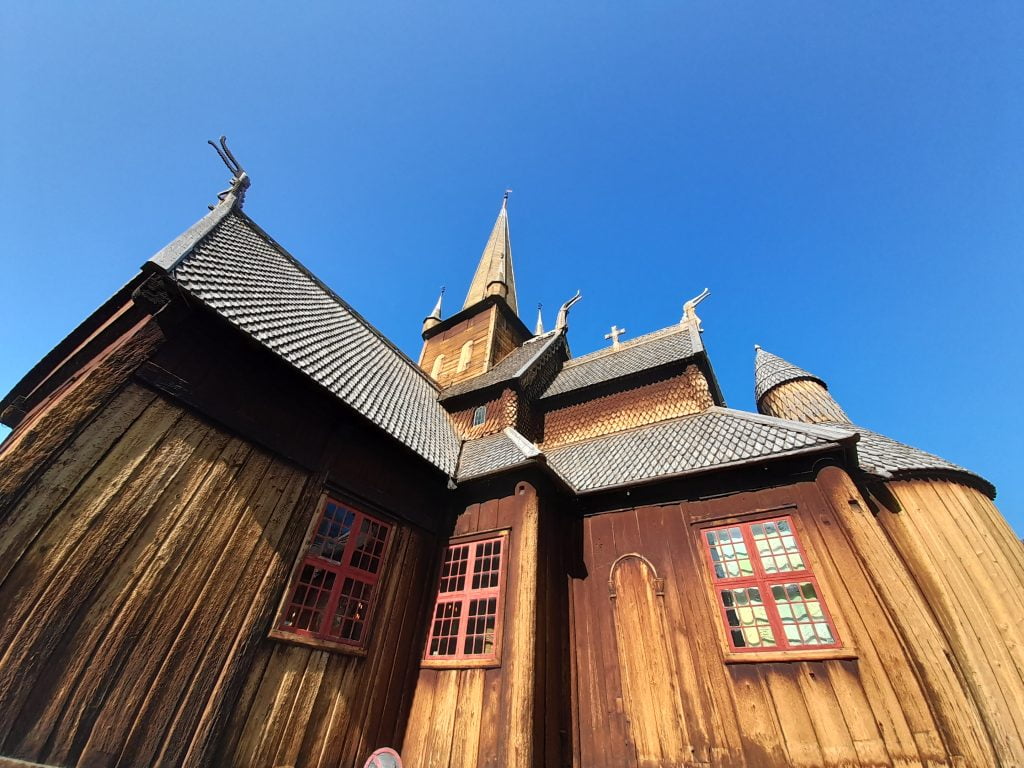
pixel 747 618
pixel 777 547
pixel 487 564
pixel 350 615
pixel 310 599
pixel 729 553
pixel 444 630
pixel 480 627
pixel 803 617
pixel 453 571
pixel 333 532
pixel 369 545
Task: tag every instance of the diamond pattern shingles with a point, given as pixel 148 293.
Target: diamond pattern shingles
pixel 252 282
pixel 644 352
pixel 694 443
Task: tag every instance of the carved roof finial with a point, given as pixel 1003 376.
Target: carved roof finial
pixel 239 178
pixel 563 313
pixel 690 309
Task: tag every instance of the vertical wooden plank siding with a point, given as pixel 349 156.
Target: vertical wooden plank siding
pixel 654 686
pixel 489 717
pixel 142 568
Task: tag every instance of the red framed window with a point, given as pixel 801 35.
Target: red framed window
pixel 766 592
pixel 335 585
pixel 466 622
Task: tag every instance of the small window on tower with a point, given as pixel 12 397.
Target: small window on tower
pixel 465 355
pixel 436 369
pixel 479 415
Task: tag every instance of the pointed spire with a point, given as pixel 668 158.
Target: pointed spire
pixel 435 316
pixel 810 402
pixel 539 329
pixel 494 275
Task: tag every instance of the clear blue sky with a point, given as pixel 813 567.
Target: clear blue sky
pixel 847 178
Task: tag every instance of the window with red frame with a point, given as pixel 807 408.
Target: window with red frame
pixel 336 584
pixel 767 595
pixel 466 618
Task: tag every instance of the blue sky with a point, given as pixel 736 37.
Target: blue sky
pixel 847 178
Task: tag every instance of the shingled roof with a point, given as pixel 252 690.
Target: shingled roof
pixel 232 266
pixel 513 367
pixel 495 453
pixel 676 343
pixel 771 370
pixel 716 437
pixel 888 458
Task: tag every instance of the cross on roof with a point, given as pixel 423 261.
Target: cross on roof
pixel 614 336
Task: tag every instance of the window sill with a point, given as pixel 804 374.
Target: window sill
pixel 315 642
pixel 819 654
pixel 460 663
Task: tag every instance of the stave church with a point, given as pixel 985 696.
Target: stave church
pixel 239 527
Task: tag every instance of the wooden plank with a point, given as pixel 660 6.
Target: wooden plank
pixel 46 496
pixel 124 600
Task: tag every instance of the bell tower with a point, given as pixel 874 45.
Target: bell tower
pixel 488 327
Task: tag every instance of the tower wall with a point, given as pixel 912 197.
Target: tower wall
pixel 801 400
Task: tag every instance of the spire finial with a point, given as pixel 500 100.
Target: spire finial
pixel 757 347
pixel 239 178
pixel 494 274
pixel 539 329
pixel 504 202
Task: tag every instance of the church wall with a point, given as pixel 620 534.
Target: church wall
pixel 513 714
pixel 966 569
pixel 653 684
pixel 502 411
pixel 802 400
pixel 646 404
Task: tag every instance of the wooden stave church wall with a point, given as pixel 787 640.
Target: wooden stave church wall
pixel 901 702
pixel 967 567
pixel 515 714
pixel 75 441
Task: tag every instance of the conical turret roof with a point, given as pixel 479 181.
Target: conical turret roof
pixel 495 264
pixel 771 370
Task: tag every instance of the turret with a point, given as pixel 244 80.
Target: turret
pixel 434 318
pixel 782 389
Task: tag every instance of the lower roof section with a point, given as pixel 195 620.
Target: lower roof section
pixel 714 438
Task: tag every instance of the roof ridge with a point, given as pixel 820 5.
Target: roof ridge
pixel 638 341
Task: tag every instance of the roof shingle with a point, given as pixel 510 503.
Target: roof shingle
pixel 668 345
pixel 243 275
pixel 512 367
pixel 771 370
pixel 493 453
pixel 695 443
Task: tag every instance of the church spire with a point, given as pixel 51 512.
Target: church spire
pixel 539 328
pixel 494 275
pixel 783 390
pixel 434 318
